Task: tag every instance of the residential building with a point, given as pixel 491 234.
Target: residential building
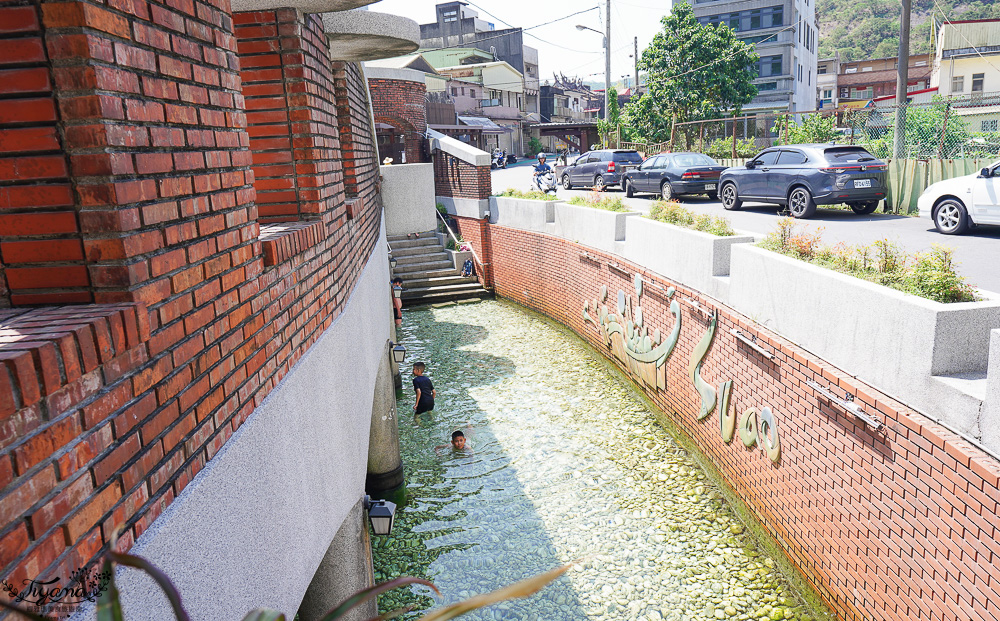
pixel 826 82
pixel 400 89
pixel 858 82
pixel 458 25
pixel 967 69
pixel 489 95
pixel 784 33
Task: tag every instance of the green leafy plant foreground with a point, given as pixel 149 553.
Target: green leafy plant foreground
pixel 672 212
pixel 931 275
pixel 109 604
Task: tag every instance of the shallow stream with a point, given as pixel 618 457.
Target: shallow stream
pixel 566 463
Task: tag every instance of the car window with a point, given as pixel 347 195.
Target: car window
pixel 843 155
pixel 583 158
pixel 767 158
pixel 650 163
pixel 791 158
pixel 687 160
pixel 663 162
pixel 628 157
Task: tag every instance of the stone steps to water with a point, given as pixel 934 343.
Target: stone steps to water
pixel 429 276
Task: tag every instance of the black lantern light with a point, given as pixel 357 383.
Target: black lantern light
pixel 381 514
pixel 392 261
pixel 398 352
pixel 397 291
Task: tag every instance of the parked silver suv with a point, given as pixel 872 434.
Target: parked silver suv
pixel 603 168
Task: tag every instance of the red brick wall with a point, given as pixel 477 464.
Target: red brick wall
pixel 40 241
pixel 357 137
pixel 458 179
pixel 477 233
pixel 288 83
pixel 402 104
pixel 108 411
pixel 901 524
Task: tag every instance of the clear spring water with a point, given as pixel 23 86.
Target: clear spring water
pixel 566 464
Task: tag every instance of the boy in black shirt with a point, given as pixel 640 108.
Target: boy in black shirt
pixel 424 389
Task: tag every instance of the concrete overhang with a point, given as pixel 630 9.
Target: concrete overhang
pixel 306 6
pixel 367 35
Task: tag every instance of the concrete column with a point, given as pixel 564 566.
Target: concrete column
pixel 346 569
pixel 385 465
pixel 989 421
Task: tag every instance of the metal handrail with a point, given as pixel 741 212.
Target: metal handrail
pixel 458 243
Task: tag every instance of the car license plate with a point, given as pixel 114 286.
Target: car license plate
pixel 862 183
pixel 709 186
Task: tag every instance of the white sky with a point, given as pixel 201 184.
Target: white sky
pixel 585 58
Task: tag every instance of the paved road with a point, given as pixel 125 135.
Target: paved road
pixel 977 252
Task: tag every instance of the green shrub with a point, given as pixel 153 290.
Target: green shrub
pixel 598 200
pixel 533 195
pixel 671 212
pixel 929 274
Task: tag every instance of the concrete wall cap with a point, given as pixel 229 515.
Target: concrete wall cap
pixel 367 35
pixel 457 148
pixel 391 73
pixel 306 6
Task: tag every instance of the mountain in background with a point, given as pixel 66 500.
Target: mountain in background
pixel 860 29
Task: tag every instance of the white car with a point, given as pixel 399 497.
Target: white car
pixel 956 204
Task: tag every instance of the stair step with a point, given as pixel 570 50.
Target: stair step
pixel 399 253
pixel 401 269
pixel 415 292
pixel 454 278
pixel 403 239
pixel 423 275
pixel 423 258
pixel 447 294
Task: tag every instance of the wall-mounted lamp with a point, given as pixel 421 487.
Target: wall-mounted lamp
pixel 392 261
pixel 397 291
pixel 398 352
pixel 381 514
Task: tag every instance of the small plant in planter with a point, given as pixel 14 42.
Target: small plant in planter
pixel 598 200
pixel 531 195
pixel 672 212
pixel 109 602
pixel 931 275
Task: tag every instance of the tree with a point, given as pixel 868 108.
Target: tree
pixel 815 128
pixel 694 72
pixel 606 128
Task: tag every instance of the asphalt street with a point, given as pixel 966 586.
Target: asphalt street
pixel 977 252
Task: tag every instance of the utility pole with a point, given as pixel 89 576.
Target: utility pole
pixel 902 75
pixel 607 63
pixel 635 44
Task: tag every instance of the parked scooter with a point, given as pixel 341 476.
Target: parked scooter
pixel 499 160
pixel 546 182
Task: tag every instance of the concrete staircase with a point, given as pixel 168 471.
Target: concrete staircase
pixel 429 276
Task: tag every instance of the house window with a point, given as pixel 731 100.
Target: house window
pixel 957 83
pixel 920 63
pixel 767 86
pixel 450 16
pixel 977 82
pixel 828 93
pixel 810 80
pixel 821 70
pixel 865 93
pixel 990 125
pixel 768 66
pixel 454 91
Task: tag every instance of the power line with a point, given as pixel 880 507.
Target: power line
pixel 525 30
pixel 961 34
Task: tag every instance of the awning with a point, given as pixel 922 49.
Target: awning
pixel 488 126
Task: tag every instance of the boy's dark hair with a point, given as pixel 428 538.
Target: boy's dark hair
pixel 457 434
pixel 397 280
pixel 419 365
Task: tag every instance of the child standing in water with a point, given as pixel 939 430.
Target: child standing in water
pixel 424 388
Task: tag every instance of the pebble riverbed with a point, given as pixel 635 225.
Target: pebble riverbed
pixel 566 464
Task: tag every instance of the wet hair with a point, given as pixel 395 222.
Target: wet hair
pixel 457 434
pixel 397 281
pixel 419 366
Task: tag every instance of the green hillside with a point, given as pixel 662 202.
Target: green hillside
pixel 870 28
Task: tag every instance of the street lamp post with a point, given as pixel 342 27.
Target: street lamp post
pixel 607 60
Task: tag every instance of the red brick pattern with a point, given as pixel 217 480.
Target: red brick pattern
pixel 477 233
pixel 40 242
pixel 896 525
pixel 107 412
pixel 458 179
pixel 356 134
pixel 401 104
pixel 288 83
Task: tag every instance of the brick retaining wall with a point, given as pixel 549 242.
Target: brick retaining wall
pixel 900 524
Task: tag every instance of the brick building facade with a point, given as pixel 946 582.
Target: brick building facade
pixel 400 115
pixel 206 184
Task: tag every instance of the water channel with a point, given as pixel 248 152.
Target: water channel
pixel 566 463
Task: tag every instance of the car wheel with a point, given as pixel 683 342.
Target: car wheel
pixel 599 181
pixel 666 191
pixel 800 203
pixel 951 218
pixel 730 197
pixel 713 196
pixel 567 184
pixel 628 189
pixel 863 209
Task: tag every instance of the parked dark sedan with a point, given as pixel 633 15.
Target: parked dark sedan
pixel 802 176
pixel 675 174
pixel 601 168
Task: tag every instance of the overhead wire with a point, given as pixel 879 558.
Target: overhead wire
pixel 961 34
pixel 530 34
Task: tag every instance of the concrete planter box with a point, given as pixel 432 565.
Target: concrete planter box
pixel 519 213
pixel 931 356
pixel 692 258
pixel 597 228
